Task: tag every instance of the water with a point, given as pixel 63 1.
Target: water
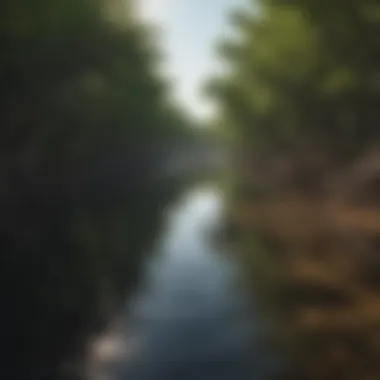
pixel 191 321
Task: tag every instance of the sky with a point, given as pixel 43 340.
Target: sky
pixel 190 29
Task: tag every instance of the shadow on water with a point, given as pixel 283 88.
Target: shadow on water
pixel 71 252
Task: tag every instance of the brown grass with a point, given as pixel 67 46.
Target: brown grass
pixel 325 293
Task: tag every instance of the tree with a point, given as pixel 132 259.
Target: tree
pixel 303 84
pixel 304 70
pixel 80 107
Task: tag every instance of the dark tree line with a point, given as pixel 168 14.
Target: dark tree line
pixel 81 112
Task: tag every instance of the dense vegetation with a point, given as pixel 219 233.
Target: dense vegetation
pixel 83 114
pixel 300 98
pixel 304 70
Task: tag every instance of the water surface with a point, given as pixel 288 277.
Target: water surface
pixel 191 320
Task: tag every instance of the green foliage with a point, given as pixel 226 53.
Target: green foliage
pixel 302 92
pixel 304 70
pixel 81 110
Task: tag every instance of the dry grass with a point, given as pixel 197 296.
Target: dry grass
pixel 330 293
pixel 309 231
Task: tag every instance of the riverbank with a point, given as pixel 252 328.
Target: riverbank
pixel 312 261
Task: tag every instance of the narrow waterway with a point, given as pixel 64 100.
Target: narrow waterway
pixel 191 320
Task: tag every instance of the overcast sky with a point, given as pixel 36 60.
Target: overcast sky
pixel 190 29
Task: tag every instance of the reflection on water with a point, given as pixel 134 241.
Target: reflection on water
pixel 191 322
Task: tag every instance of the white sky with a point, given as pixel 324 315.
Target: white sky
pixel 156 10
pixel 190 29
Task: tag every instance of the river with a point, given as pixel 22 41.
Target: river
pixel 190 319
